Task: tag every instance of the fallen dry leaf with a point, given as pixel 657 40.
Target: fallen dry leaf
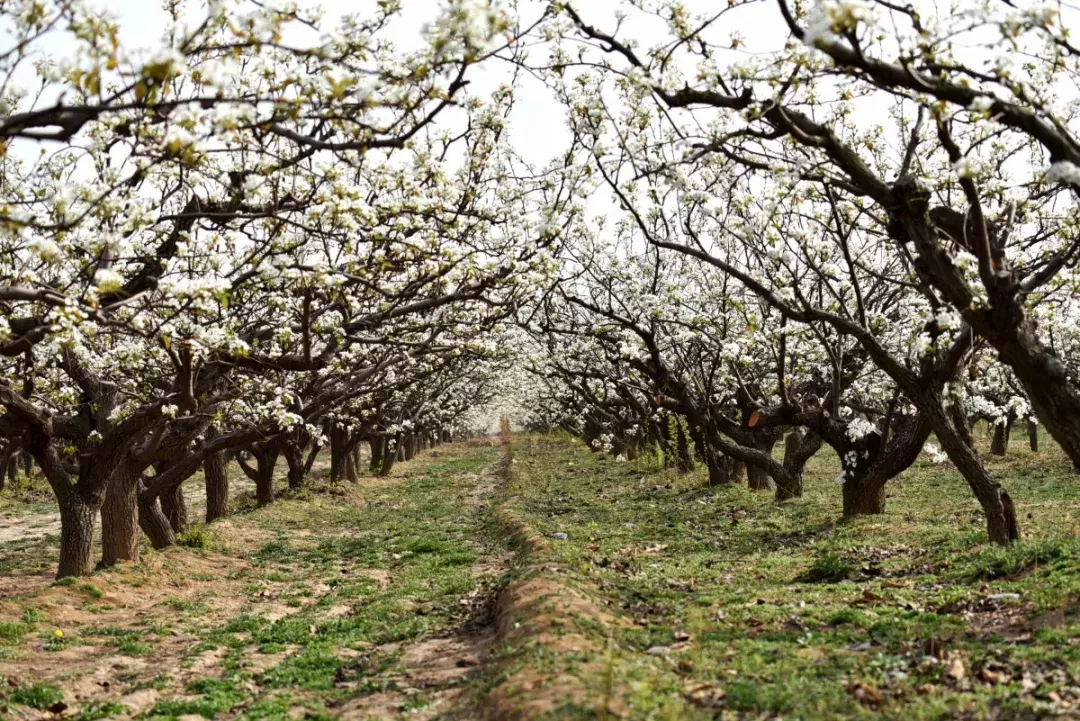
pixel 955 670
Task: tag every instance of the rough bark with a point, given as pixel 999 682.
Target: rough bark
pixel 339 441
pixel 799 447
pixel 120 519
pixel 174 507
pixel 1000 444
pixel 1001 523
pixel 77 516
pixel 378 447
pixel 216 473
pixel 1033 435
pixel 390 456
pixel 294 458
pixel 155 523
pixel 685 463
pixel 864 490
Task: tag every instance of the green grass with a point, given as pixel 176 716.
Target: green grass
pixel 38 696
pixel 791 611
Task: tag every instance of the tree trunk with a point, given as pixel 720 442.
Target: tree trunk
pixel 1001 439
pixel 339 440
pixel 264 484
pixel 7 463
pixel 378 446
pixel 757 478
pixel 1033 435
pixel 719 467
pixel 216 473
pixel 863 499
pixel 1001 524
pixel 174 507
pixel 120 519
pixel 77 517
pixel 799 447
pixel 410 447
pixel 390 455
pixel 155 524
pixel 351 471
pixel 294 458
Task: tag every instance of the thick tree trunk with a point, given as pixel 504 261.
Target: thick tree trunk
pixel 1033 435
pixel 1000 444
pixel 155 524
pixel 7 464
pixel 719 467
pixel 864 498
pixel 864 494
pixel 174 507
pixel 378 447
pixel 294 458
pixel 77 517
pixel 351 471
pixel 1001 524
pixel 216 473
pixel 120 519
pixel 339 441
pixel 264 484
pixel 799 447
pixel 390 456
pixel 758 479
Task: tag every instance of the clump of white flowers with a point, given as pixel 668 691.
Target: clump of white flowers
pixel 108 280
pixel 936 455
pixel 1063 172
pixel 831 18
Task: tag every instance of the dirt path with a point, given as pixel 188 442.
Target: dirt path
pixel 370 601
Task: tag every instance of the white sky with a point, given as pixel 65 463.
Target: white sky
pixel 537 124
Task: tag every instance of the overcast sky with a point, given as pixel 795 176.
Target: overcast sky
pixel 537 124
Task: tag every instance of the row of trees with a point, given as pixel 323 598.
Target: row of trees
pixel 860 233
pixel 278 234
pixel 253 244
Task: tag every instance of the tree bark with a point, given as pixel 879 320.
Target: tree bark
pixel 174 507
pixel 1001 524
pixel 339 440
pixel 863 499
pixel 799 447
pixel 1033 435
pixel 378 447
pixel 216 475
pixel 120 519
pixel 390 455
pixel 77 517
pixel 1000 444
pixel 155 524
pixel 294 458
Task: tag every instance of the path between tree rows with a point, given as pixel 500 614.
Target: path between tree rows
pixel 367 601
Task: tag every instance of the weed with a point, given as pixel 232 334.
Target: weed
pixel 40 696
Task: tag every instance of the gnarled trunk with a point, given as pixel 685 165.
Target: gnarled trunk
pixel 216 475
pixel 378 447
pixel 120 518
pixel 390 455
pixel 799 447
pixel 77 517
pixel 294 458
pixel 1001 524
pixel 155 523
pixel 174 507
